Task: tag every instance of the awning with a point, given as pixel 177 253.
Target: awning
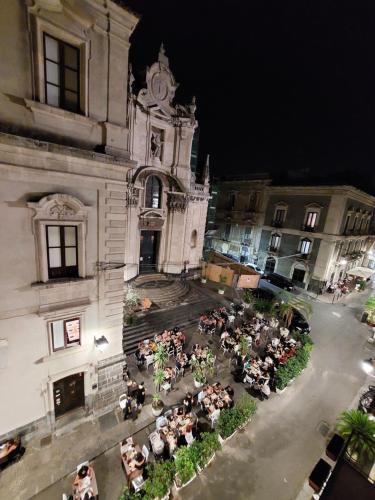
pixel 362 272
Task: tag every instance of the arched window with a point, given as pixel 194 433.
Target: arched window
pixel 193 239
pixel 153 192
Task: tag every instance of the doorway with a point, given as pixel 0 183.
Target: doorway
pixel 148 251
pixel 298 275
pixel 69 394
pixel 270 265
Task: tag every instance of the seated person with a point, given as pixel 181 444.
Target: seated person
pixel 188 402
pixel 229 390
pixel 139 461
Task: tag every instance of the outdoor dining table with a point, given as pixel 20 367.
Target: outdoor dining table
pixel 84 485
pixel 127 454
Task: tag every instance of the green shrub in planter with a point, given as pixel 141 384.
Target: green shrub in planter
pixel 246 406
pixel 206 447
pixel 185 464
pixel 228 422
pixel 159 480
pixel 129 495
pixel 282 378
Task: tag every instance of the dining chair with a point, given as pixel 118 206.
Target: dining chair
pixel 145 452
pixel 149 360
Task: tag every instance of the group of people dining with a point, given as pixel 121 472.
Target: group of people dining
pixel 175 428
pixel 214 398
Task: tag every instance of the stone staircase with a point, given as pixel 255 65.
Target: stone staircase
pixel 160 289
pixel 184 315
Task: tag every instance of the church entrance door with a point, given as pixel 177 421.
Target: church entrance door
pixel 148 251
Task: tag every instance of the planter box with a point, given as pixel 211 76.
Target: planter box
pixel 185 484
pixel 224 440
pixel 280 391
pixel 335 447
pixel 201 469
pixel 157 412
pixel 319 475
pixel 291 381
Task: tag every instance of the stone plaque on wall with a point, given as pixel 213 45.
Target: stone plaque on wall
pixel 154 223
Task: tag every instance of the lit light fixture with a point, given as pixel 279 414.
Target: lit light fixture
pixel 343 262
pixel 368 366
pixel 101 343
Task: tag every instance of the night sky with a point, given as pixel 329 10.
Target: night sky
pixel 285 87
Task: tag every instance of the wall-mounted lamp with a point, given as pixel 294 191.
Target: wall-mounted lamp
pixel 101 343
pixel 343 262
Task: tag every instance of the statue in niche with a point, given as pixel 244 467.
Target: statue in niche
pixel 156 145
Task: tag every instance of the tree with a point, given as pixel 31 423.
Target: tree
pixel 360 430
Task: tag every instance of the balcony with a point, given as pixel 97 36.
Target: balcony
pixel 309 229
pixel 353 232
pixel 236 216
pixel 277 223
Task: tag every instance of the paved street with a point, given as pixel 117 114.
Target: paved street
pixel 278 450
pixel 275 454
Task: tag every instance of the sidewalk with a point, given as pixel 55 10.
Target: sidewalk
pixel 48 471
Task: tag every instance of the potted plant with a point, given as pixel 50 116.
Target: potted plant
pixel 223 280
pixel 157 404
pixel 248 299
pixel 160 357
pixel 202 369
pixel 206 448
pixel 228 423
pixel 244 346
pixel 356 426
pixel 246 407
pixel 130 495
pixel 159 479
pixel 185 467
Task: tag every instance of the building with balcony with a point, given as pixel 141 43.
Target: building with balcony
pixel 96 186
pixel 314 235
pixel 240 214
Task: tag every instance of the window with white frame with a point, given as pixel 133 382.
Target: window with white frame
pixel 65 333
pixel 59 224
pixel 311 219
pixel 62 74
pixel 275 241
pixel 62 251
pixel 305 246
pixel 280 215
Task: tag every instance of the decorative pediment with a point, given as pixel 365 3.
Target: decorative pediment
pixel 59 206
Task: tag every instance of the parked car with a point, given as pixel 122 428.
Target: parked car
pixel 299 322
pixel 280 281
pixel 255 267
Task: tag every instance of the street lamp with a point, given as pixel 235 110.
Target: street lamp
pixel 368 366
pixel 101 343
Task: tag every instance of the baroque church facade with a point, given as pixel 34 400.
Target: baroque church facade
pixel 95 188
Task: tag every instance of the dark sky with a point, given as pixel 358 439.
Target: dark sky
pixel 281 85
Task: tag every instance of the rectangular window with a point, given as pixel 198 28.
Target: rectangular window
pixel 65 333
pixel 347 223
pixel 275 242
pixel 61 70
pixel 305 246
pixel 247 234
pixel 280 215
pixel 62 251
pixel 311 219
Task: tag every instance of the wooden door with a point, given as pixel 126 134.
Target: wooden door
pixel 69 394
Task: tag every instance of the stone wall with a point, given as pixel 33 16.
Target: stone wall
pixel 110 383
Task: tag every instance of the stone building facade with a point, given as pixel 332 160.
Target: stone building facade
pixel 77 154
pixel 239 217
pixel 314 235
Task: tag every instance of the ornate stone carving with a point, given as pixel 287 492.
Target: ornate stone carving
pixel 156 144
pixel 177 202
pixel 61 211
pixel 132 196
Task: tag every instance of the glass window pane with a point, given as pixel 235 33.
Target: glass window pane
pixel 53 95
pixel 155 202
pixel 70 236
pixel 71 101
pixel 57 328
pixel 53 236
pixel 52 49
pixel 70 57
pixel 52 72
pixel 71 80
pixel 70 257
pixel 54 257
